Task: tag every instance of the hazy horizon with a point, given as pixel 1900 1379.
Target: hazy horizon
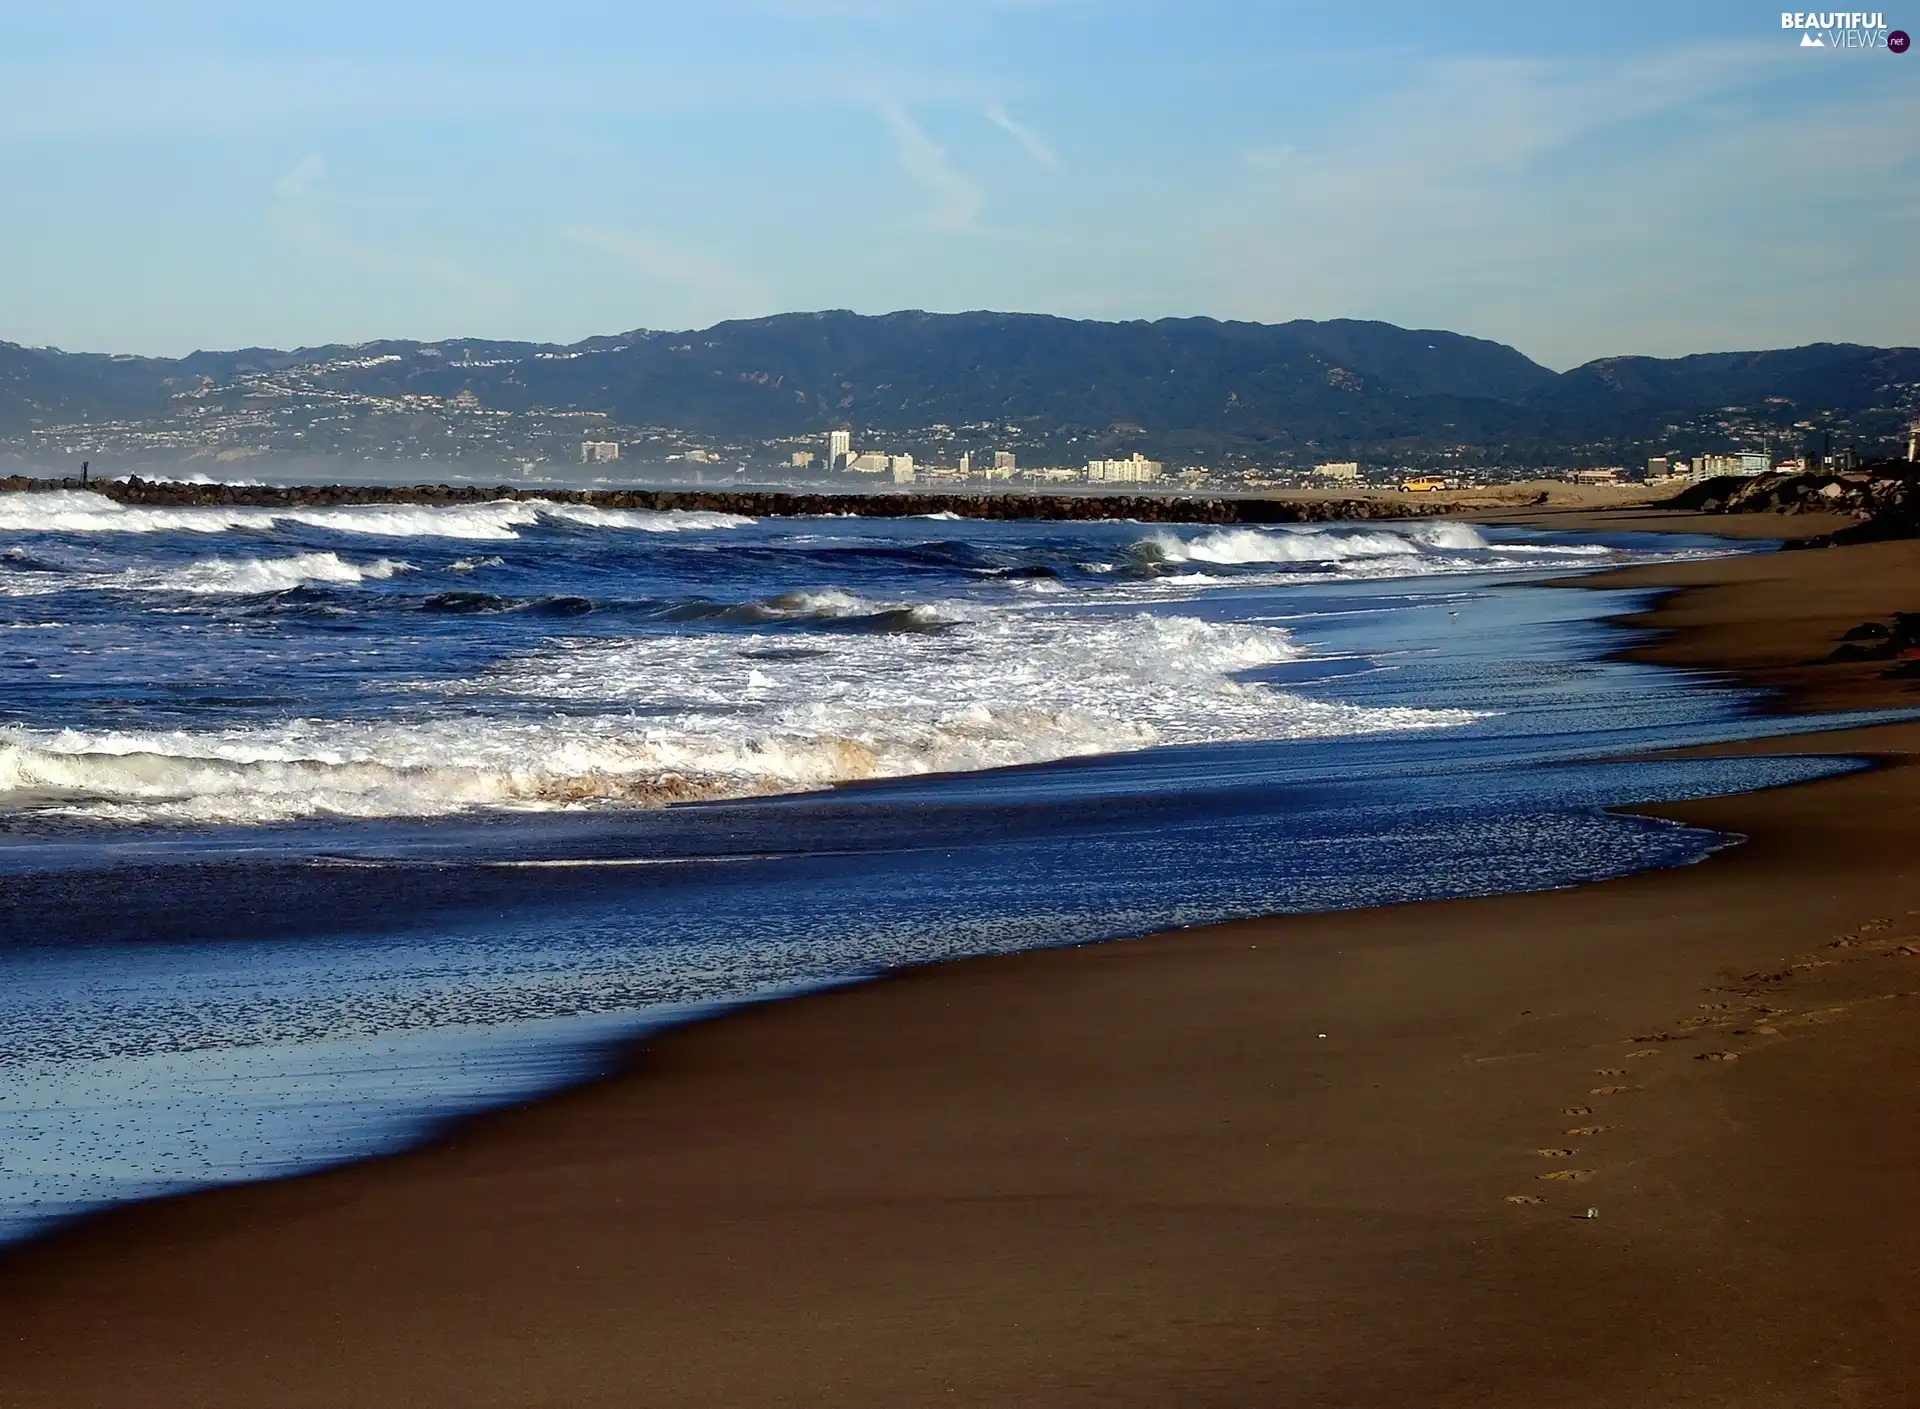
pixel 1622 181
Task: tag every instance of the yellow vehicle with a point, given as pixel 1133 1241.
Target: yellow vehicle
pixel 1422 484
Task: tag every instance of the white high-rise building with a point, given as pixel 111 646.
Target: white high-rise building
pixel 966 462
pixel 839 449
pixel 1003 459
pixel 594 452
pixel 902 467
pixel 1713 466
pixel 1135 469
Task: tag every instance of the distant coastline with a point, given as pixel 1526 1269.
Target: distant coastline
pixel 1145 508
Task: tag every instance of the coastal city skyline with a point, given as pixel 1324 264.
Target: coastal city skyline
pixel 826 397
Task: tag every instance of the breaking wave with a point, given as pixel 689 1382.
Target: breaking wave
pixel 1292 545
pixel 208 577
pixel 663 719
pixel 1371 551
pixel 78 511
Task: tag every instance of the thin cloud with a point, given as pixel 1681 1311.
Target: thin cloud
pixel 302 183
pixel 1021 133
pixel 956 201
pixel 714 284
pixel 294 216
pixel 1579 207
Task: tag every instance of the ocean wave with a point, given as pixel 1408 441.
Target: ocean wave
pixel 661 719
pixel 254 576
pixel 238 577
pixel 78 512
pixel 194 479
pixel 1237 546
pixel 488 603
pixel 646 520
pixel 829 607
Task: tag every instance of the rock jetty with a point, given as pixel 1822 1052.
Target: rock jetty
pixel 1145 508
pixel 1884 497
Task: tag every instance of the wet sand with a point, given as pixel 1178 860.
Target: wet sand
pixel 1318 1160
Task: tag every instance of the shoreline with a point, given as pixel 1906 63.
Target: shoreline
pixel 1134 1173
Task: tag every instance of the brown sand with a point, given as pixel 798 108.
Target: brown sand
pixel 1315 1161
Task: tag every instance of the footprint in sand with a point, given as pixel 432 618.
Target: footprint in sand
pixel 1523 1199
pixel 1589 1129
pixel 1576 1110
pixel 1717 1057
pixel 1571 1176
pixel 1609 1071
pixel 1553 1153
pixel 1644 1052
pixel 1609 1090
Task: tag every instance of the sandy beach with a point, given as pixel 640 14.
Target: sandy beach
pixel 1318 1160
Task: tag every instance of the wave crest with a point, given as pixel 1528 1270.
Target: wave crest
pixel 78 511
pixel 645 721
pixel 209 577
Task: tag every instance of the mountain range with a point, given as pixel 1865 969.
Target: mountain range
pixel 1178 388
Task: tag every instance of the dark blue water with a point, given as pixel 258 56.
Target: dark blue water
pixel 320 831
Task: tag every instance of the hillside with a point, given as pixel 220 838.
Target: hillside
pixel 1181 388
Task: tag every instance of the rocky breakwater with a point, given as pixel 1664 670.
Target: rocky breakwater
pixel 1145 508
pixel 1884 497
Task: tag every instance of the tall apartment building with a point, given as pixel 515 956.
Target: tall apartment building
pixel 839 449
pixel 594 452
pixel 1135 469
pixel 902 467
pixel 1343 471
pixel 1003 459
pixel 1712 466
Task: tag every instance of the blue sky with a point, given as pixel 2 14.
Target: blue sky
pixel 1579 180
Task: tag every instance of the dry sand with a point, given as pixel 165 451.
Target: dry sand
pixel 1313 1161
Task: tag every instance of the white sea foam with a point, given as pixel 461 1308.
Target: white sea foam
pixel 196 479
pixel 247 576
pixel 77 511
pixel 667 718
pixel 208 577
pixel 1303 552
pixel 1312 545
pixel 646 520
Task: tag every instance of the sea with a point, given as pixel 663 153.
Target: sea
pixel 322 828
